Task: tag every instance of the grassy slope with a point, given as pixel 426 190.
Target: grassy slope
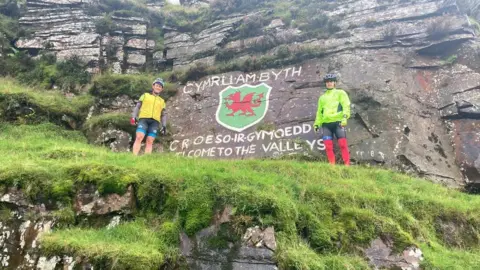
pixel 50 103
pixel 311 200
pixel 134 244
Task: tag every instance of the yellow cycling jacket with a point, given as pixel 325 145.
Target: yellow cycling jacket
pixel 333 106
pixel 152 106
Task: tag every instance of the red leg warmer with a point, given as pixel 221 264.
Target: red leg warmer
pixel 329 150
pixel 342 143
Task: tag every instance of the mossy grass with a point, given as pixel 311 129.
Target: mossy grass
pixel 133 86
pixel 320 211
pixel 115 119
pixel 49 103
pixel 132 245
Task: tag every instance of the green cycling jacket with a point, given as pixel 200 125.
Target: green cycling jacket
pixel 333 105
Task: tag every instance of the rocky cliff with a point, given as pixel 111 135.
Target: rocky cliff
pixel 67 29
pixel 410 68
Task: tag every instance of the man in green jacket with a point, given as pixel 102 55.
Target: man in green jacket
pixel 332 114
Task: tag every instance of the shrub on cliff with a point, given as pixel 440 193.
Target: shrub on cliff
pixel 475 25
pixel 28 105
pixel 72 73
pixel 43 73
pixel 186 19
pixel 69 75
pixel 10 8
pixel 12 61
pixel 105 120
pixel 104 25
pixel 231 6
pixel 113 85
pixel 15 62
pixel 252 26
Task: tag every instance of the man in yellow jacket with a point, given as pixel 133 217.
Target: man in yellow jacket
pixel 332 114
pixel 149 111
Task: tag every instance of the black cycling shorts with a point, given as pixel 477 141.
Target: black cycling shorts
pixel 330 129
pixel 148 126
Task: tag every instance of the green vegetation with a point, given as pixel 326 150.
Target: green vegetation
pixel 109 120
pixel 296 254
pixel 187 19
pixel 105 25
pixel 5 214
pixel 475 24
pixel 322 214
pixel 283 194
pixel 21 104
pixel 449 60
pixel 113 85
pixel 45 105
pixel 235 6
pixel 132 245
pixel 156 35
pixel 308 15
pixel 11 60
pixel 283 56
pixel 69 75
pixel 252 26
pixel 124 8
pixel 45 72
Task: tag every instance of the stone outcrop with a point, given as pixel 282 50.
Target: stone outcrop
pixel 116 139
pixel 380 256
pixel 66 28
pixel 215 247
pixel 184 48
pixel 361 24
pixel 395 117
pixel 23 222
pixel 413 88
pixel 89 202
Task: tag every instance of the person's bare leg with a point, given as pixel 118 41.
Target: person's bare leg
pixel 148 147
pixel 138 142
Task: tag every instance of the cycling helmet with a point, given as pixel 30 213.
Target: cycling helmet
pixel 159 81
pixel 330 77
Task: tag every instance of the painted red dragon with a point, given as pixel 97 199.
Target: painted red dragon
pixel 244 105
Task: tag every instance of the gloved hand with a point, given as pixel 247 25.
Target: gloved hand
pixel 163 131
pixel 343 123
pixel 133 121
